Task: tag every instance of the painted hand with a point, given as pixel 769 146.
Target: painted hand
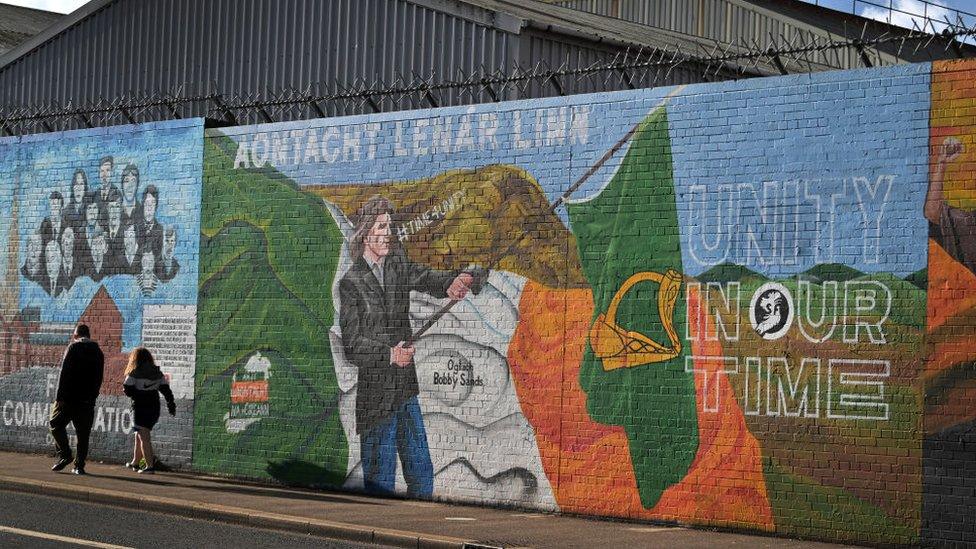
pixel 951 149
pixel 402 354
pixel 459 288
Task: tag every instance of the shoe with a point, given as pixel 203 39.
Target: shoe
pixel 148 469
pixel 78 471
pixel 61 464
pixel 132 465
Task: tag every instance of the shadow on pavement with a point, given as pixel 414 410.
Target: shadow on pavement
pixel 221 485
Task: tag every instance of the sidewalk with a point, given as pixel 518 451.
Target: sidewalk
pixel 351 517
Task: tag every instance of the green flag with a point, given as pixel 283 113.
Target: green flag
pixel 631 227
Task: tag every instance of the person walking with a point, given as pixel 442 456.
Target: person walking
pixel 82 369
pixel 143 383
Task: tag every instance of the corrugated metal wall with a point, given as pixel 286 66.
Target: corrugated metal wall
pixel 720 20
pixel 253 46
pixel 539 45
pixel 250 46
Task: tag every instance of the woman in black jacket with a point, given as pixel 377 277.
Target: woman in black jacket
pixel 143 383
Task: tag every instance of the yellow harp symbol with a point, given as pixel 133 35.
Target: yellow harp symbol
pixel 620 348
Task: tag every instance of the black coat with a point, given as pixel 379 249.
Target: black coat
pixel 150 238
pixel 64 283
pixel 49 233
pixel 41 271
pixel 101 199
pixel 82 370
pixel 115 248
pixel 165 272
pixel 83 258
pixel 135 218
pixel 119 265
pixel 374 320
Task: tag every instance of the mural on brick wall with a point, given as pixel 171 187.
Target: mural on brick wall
pixel 670 304
pixel 101 227
pixel 948 375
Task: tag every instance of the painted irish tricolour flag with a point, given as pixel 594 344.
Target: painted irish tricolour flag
pixel 647 328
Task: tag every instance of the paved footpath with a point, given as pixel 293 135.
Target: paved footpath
pixel 352 517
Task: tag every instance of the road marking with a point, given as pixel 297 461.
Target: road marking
pixel 647 529
pixel 527 515
pixel 459 519
pixel 53 537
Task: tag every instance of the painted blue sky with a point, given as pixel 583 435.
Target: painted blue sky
pixel 836 175
pixel 168 155
pixel 778 155
pixel 555 163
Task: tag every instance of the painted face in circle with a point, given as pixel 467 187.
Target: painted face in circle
pixel 378 240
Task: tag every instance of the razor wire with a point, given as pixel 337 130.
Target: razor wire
pixel 628 69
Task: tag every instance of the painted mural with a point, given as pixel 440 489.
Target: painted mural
pixel 103 229
pixel 950 370
pixel 625 305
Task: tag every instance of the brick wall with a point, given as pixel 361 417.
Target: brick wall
pixel 749 309
pixel 64 264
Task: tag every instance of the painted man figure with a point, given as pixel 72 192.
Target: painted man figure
pixel 98 248
pixel 53 224
pixel 376 334
pixel 127 261
pixel 55 280
pixel 33 268
pixel 69 267
pixel 131 209
pixel 114 239
pixel 148 229
pixel 82 369
pixel 74 215
pixel 167 267
pixel 86 239
pixel 106 166
pixel 952 228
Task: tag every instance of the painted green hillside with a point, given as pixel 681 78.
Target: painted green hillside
pixel 265 286
pixel 908 301
pixel 908 297
pixel 833 271
pixel 919 278
pixel 728 272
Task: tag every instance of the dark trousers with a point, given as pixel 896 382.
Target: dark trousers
pixel 82 415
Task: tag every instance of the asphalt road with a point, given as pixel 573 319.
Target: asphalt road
pixel 24 518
